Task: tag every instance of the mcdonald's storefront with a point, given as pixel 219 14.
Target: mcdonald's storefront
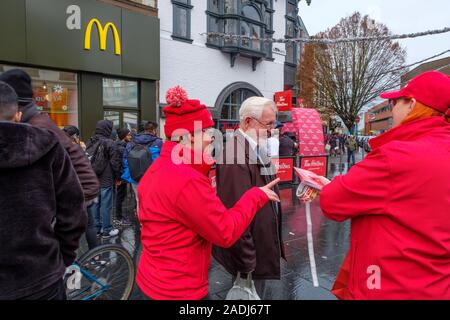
pixel 88 59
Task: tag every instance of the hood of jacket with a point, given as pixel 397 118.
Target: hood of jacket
pixel 22 145
pixel 145 138
pixel 28 111
pixel 104 129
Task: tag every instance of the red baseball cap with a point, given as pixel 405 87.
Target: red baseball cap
pixel 432 88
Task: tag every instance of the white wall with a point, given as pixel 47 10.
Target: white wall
pixel 205 72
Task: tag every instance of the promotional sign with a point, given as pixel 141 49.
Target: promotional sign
pixel 318 165
pixel 307 125
pixel 283 100
pixel 41 99
pixel 58 106
pixel 285 168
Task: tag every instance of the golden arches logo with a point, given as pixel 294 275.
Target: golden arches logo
pixel 102 35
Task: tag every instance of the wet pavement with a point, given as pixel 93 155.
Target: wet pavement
pixel 331 240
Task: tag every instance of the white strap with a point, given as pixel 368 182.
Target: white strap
pixel 309 236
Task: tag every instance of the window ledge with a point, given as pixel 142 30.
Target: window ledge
pixel 182 39
pixel 181 4
pixel 290 64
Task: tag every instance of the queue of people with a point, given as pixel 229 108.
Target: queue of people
pixel 398 197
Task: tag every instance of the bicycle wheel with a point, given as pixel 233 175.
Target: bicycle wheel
pixel 107 273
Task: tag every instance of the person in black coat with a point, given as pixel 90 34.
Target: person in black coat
pixel 110 175
pixel 124 136
pixel 288 147
pixel 20 81
pixel 42 208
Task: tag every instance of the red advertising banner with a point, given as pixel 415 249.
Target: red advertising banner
pixel 285 168
pixel 307 125
pixel 41 98
pixel 318 165
pixel 283 100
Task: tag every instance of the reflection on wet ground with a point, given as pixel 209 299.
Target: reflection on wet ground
pixel 331 240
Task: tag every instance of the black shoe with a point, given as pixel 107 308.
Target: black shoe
pixel 110 234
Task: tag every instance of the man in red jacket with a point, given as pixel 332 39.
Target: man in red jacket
pixel 181 215
pixel 398 198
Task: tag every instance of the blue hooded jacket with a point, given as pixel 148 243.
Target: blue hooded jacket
pixel 154 145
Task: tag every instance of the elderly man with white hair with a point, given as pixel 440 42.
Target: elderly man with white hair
pixel 245 164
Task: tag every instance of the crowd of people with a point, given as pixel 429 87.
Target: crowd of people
pixel 337 145
pixel 55 189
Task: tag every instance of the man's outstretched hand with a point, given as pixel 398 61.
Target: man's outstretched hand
pixel 267 189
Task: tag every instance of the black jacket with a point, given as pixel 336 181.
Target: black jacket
pixel 120 147
pixel 287 147
pixel 86 175
pixel 42 211
pixel 112 171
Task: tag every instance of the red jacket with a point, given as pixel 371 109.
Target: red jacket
pixel 398 198
pixel 181 217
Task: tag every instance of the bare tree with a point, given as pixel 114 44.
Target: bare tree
pixel 306 84
pixel 348 75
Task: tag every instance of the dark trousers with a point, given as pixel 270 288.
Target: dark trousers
pixel 350 154
pixel 91 232
pixel 121 193
pixel 101 210
pixel 56 291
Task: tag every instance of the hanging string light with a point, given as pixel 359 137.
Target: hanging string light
pixel 313 40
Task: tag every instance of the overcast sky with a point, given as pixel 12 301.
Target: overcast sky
pixel 400 16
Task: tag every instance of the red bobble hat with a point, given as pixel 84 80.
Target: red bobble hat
pixel 181 113
pixel 431 88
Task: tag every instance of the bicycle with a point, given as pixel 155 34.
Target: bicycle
pixel 106 272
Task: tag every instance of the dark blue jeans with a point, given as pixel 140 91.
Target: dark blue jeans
pixel 91 231
pixel 351 154
pixel 101 210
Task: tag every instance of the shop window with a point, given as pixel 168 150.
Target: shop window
pixel 182 20
pixel 113 116
pixel 54 92
pixel 130 120
pixel 122 119
pixel 120 102
pixel 120 93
